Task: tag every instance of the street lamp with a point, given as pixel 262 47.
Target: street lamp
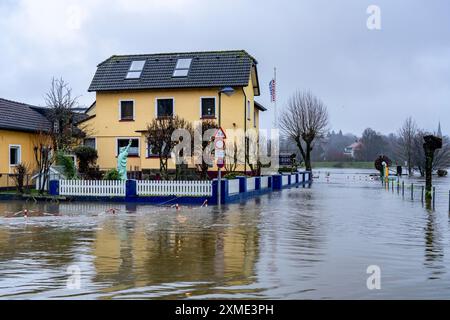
pixel 229 92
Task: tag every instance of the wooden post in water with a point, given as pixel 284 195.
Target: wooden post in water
pixel 403 188
pixel 432 143
pixel 434 198
pixel 412 191
pixel 421 193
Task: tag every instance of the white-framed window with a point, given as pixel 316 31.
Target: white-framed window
pixel 90 142
pixel 208 107
pixel 165 107
pixel 15 155
pixel 150 151
pixel 248 110
pixel 136 68
pixel 126 110
pixel 123 142
pixel 182 67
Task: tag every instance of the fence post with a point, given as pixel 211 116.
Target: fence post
pixel 242 184
pixel 276 182
pixel 257 183
pixel 412 191
pixel 403 188
pixel 434 198
pixel 130 188
pixel 421 194
pixel 54 188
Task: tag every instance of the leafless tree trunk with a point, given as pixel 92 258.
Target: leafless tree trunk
pixel 43 155
pixel 407 134
pixel 304 120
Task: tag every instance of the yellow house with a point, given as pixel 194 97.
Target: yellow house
pixel 19 126
pixel 132 90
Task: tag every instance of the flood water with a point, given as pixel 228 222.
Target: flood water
pixel 300 243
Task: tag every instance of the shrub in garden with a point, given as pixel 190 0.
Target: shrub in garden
pixel 87 158
pixel 67 163
pixel 19 176
pixel 112 174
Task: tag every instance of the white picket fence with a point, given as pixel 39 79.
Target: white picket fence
pixel 93 188
pixel 174 188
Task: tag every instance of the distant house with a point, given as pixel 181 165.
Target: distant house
pixel 352 149
pixel 132 90
pixel 19 125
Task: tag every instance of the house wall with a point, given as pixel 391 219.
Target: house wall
pixel 106 126
pixel 25 140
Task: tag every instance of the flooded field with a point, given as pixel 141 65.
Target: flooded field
pixel 299 243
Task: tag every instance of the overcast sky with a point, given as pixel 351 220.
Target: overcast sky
pixel 367 78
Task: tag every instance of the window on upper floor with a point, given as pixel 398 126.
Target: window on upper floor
pixel 135 70
pixel 208 107
pixel 15 155
pixel 134 149
pixel 182 68
pixel 127 110
pixel 164 108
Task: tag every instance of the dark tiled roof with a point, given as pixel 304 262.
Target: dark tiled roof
pixel 260 106
pixel 208 69
pixel 22 117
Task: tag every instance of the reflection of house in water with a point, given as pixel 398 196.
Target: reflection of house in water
pixel 164 247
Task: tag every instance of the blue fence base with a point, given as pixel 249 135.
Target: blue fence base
pixel 275 183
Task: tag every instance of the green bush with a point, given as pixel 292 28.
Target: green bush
pixel 87 157
pixel 112 174
pixel 67 163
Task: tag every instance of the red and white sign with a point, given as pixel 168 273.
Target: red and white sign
pixel 219 149
pixel 220 134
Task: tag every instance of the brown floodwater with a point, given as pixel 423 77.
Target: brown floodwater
pixel 300 243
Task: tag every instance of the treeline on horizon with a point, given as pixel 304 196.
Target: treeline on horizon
pixel 404 147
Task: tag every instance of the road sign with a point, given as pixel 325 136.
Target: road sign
pixel 219 144
pixel 220 134
pixel 220 163
pixel 220 153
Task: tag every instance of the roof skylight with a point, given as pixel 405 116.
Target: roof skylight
pixel 135 70
pixel 182 68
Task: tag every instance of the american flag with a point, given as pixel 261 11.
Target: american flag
pixel 273 90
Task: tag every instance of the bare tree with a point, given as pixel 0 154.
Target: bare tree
pixel 159 136
pixel 43 155
pixel 60 103
pixel 407 135
pixel 304 121
pixel 206 145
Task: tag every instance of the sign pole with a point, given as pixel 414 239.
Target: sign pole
pixel 219 147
